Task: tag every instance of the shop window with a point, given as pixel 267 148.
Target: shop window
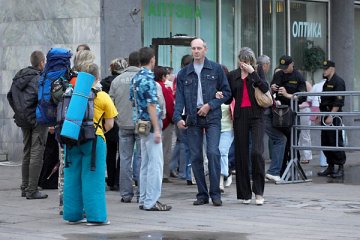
pixel 247 24
pixel 274 32
pixel 165 18
pixel 308 27
pixel 227 33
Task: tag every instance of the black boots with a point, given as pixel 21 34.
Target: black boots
pixel 339 173
pixel 330 171
pixel 327 172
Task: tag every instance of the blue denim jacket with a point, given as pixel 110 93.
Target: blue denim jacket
pixel 213 79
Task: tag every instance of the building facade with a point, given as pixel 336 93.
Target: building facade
pixel 114 28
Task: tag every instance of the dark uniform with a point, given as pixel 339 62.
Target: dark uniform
pixel 328 137
pixel 293 82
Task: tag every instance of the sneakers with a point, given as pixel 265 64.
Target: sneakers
pixel 36 195
pixel 245 201
pixel 159 207
pixel 198 202
pixel 259 200
pixel 222 183
pixel 77 222
pixel 98 223
pixel 273 177
pixel 228 181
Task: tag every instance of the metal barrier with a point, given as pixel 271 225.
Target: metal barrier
pixel 294 173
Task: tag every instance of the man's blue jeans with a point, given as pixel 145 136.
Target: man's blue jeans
pixel 278 140
pixel 195 140
pixel 151 171
pixel 127 141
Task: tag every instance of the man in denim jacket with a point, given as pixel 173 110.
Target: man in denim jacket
pixel 197 84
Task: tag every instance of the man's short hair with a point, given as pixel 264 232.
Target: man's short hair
pixel 263 59
pixel 134 59
pixel 205 45
pixel 36 58
pixel 186 59
pixel 146 54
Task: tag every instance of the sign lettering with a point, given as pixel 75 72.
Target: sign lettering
pixel 306 29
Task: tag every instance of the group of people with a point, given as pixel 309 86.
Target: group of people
pixel 213 112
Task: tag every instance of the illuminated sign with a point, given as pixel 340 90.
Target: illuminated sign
pixel 170 9
pixel 306 29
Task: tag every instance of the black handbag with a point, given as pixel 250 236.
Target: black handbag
pixel 283 116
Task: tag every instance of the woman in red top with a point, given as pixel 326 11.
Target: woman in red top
pixel 161 75
pixel 248 124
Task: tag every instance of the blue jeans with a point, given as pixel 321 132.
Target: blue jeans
pixel 127 140
pixel 151 171
pixel 181 156
pixel 278 140
pixel 84 190
pixel 195 140
pixel 185 154
pixel 226 138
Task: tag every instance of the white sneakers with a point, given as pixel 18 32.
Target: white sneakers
pixel 245 201
pixel 228 181
pixel 222 183
pixel 259 200
pixel 273 178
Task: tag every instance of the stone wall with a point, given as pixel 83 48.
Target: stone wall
pixel 26 26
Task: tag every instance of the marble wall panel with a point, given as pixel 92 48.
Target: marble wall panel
pixel 14 151
pixel 11 132
pixel 25 10
pixel 86 30
pixel 5 81
pixel 57 31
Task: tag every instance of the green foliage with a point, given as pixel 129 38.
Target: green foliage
pixel 313 57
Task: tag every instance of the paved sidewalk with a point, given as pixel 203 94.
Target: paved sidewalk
pixel 315 210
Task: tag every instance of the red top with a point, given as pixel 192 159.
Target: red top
pixel 245 101
pixel 169 104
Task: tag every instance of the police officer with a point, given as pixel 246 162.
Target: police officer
pixel 332 104
pixel 285 83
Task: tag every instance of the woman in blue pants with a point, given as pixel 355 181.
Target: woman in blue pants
pixel 84 188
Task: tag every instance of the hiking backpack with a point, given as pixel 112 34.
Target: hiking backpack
pixel 87 129
pixel 57 69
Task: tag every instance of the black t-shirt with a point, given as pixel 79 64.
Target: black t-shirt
pixel 336 83
pixel 293 82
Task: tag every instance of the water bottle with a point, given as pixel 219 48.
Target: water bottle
pixel 69 90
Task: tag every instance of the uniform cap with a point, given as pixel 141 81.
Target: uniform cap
pixel 328 63
pixel 285 61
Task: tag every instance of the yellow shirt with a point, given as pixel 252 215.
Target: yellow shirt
pixel 103 104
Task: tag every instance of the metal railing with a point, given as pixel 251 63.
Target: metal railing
pixel 294 172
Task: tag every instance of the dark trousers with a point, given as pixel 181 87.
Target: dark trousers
pixel 112 163
pixel 328 138
pixel 245 125
pixel 34 140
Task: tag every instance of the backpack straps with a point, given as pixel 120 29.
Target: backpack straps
pixel 93 151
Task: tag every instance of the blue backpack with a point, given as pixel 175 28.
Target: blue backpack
pixel 57 67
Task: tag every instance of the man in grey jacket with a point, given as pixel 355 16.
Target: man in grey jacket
pixel 23 98
pixel 119 92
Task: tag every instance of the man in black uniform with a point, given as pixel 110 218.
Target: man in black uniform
pixel 285 83
pixel 332 104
